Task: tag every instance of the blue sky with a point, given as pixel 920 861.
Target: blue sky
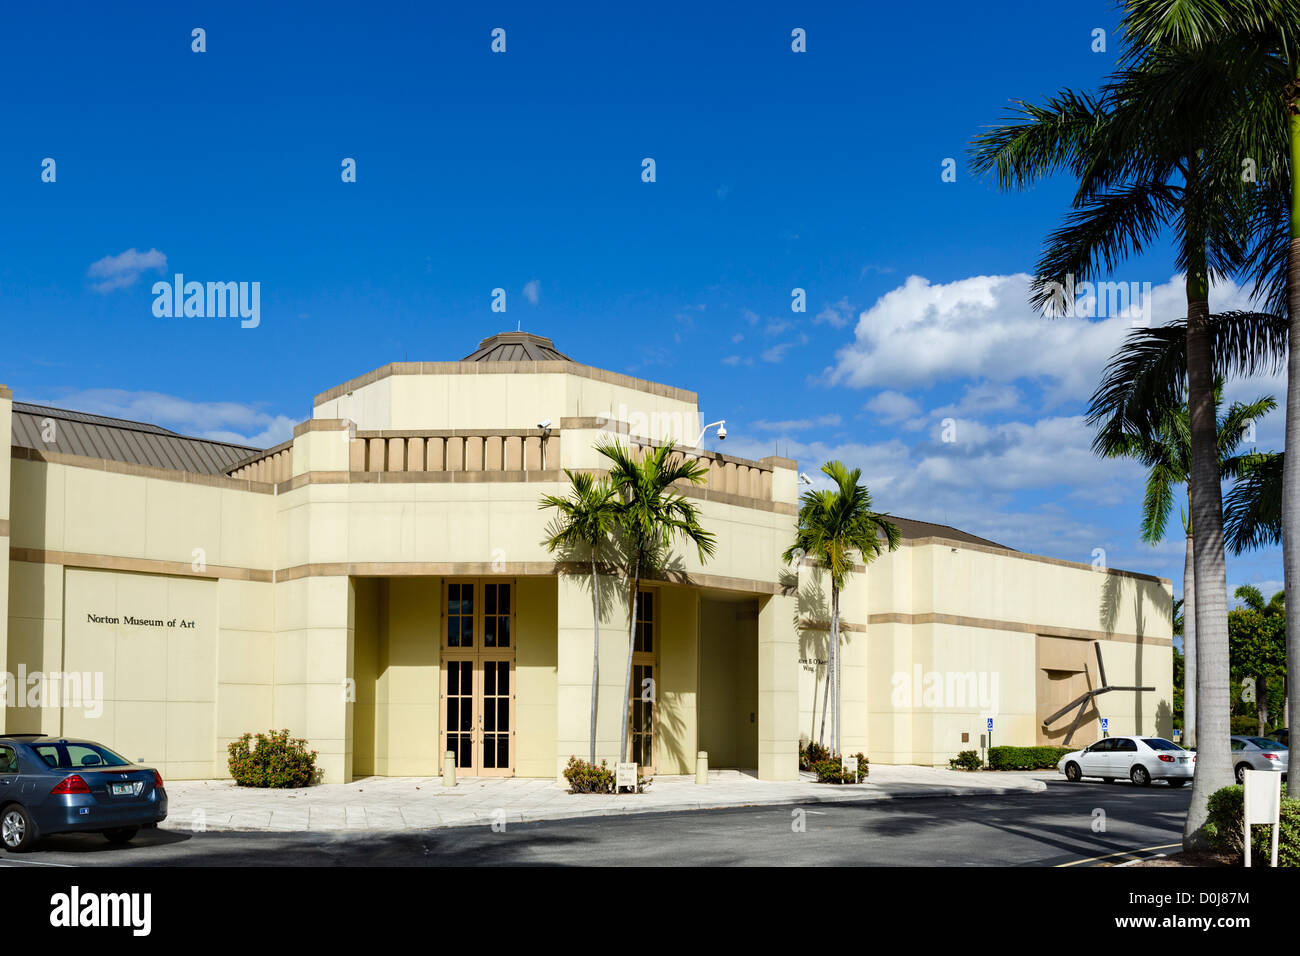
pixel 775 170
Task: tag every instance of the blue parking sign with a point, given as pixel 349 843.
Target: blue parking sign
pixel 1105 724
pixel 990 723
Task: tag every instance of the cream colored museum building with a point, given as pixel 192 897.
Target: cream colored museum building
pixel 379 585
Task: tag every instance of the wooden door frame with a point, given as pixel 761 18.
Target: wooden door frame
pixel 652 658
pixel 478 655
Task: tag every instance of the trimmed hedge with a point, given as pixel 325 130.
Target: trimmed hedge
pixel 274 760
pixel 966 760
pixel 1026 758
pixel 831 770
pixel 1223 829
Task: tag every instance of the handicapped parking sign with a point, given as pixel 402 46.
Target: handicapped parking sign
pixel 990 723
pixel 1105 724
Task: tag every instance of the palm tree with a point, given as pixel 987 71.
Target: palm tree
pixel 1270 30
pixel 1261 657
pixel 1166 453
pixel 1149 156
pixel 651 516
pixel 1252 508
pixel 833 526
pixel 584 522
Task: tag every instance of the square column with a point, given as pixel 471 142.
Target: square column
pixel 778 688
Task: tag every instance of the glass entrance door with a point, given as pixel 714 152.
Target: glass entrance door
pixel 478 679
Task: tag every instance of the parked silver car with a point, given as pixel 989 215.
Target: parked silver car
pixel 1257 753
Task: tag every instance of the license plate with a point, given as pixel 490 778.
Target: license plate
pixel 124 789
pixel 1183 759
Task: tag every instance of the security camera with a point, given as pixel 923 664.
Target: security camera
pixel 722 433
pixel 804 479
pixel 544 424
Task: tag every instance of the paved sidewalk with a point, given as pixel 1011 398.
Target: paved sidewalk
pixel 397 803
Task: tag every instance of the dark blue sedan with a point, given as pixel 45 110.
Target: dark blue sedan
pixel 57 785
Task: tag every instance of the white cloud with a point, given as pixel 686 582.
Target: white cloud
pixel 983 328
pixel 777 352
pixel 123 269
pixel 837 314
pixel 533 291
pixel 891 407
pixel 233 422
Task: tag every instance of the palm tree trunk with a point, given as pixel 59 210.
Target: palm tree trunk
pixel 826 693
pixel 631 648
pixel 1189 641
pixel 1291 463
pixel 1261 703
pixel 835 643
pixel 1213 759
pixel 595 650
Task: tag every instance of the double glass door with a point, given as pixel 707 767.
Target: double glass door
pixel 478 675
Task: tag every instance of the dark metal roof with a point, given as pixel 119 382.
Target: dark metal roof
pixel 912 528
pixel 117 439
pixel 516 347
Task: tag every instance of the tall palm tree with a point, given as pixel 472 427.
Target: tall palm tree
pixel 1148 153
pixel 584 522
pixel 1166 453
pixel 651 517
pixel 833 526
pixel 1269 29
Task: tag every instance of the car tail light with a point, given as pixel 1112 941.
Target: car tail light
pixel 72 784
pixel 157 780
pixel 1166 758
pixel 1270 756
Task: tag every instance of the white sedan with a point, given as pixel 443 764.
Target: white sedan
pixel 1140 759
pixel 1257 753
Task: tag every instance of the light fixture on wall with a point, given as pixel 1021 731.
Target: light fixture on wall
pixel 721 425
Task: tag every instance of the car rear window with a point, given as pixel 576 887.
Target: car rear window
pixel 1267 744
pixel 81 756
pixel 1159 743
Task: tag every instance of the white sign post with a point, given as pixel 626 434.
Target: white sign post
pixel 1263 805
pixel 850 765
pixel 625 776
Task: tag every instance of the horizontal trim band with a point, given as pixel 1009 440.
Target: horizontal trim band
pixel 988 623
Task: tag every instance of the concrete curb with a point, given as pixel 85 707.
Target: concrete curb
pixel 838 794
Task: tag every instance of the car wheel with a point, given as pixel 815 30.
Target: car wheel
pixel 121 835
pixel 1177 783
pixel 1240 771
pixel 17 831
pixel 1072 773
pixel 1140 776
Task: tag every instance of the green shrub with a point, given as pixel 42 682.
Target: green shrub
pixel 1026 758
pixel 812 754
pixel 966 760
pixel 831 770
pixel 586 777
pixel 275 760
pixel 1244 726
pixel 1224 831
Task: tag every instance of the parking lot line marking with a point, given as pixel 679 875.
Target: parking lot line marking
pixel 1107 856
pixel 11 862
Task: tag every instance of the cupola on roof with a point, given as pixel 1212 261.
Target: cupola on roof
pixel 516 347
